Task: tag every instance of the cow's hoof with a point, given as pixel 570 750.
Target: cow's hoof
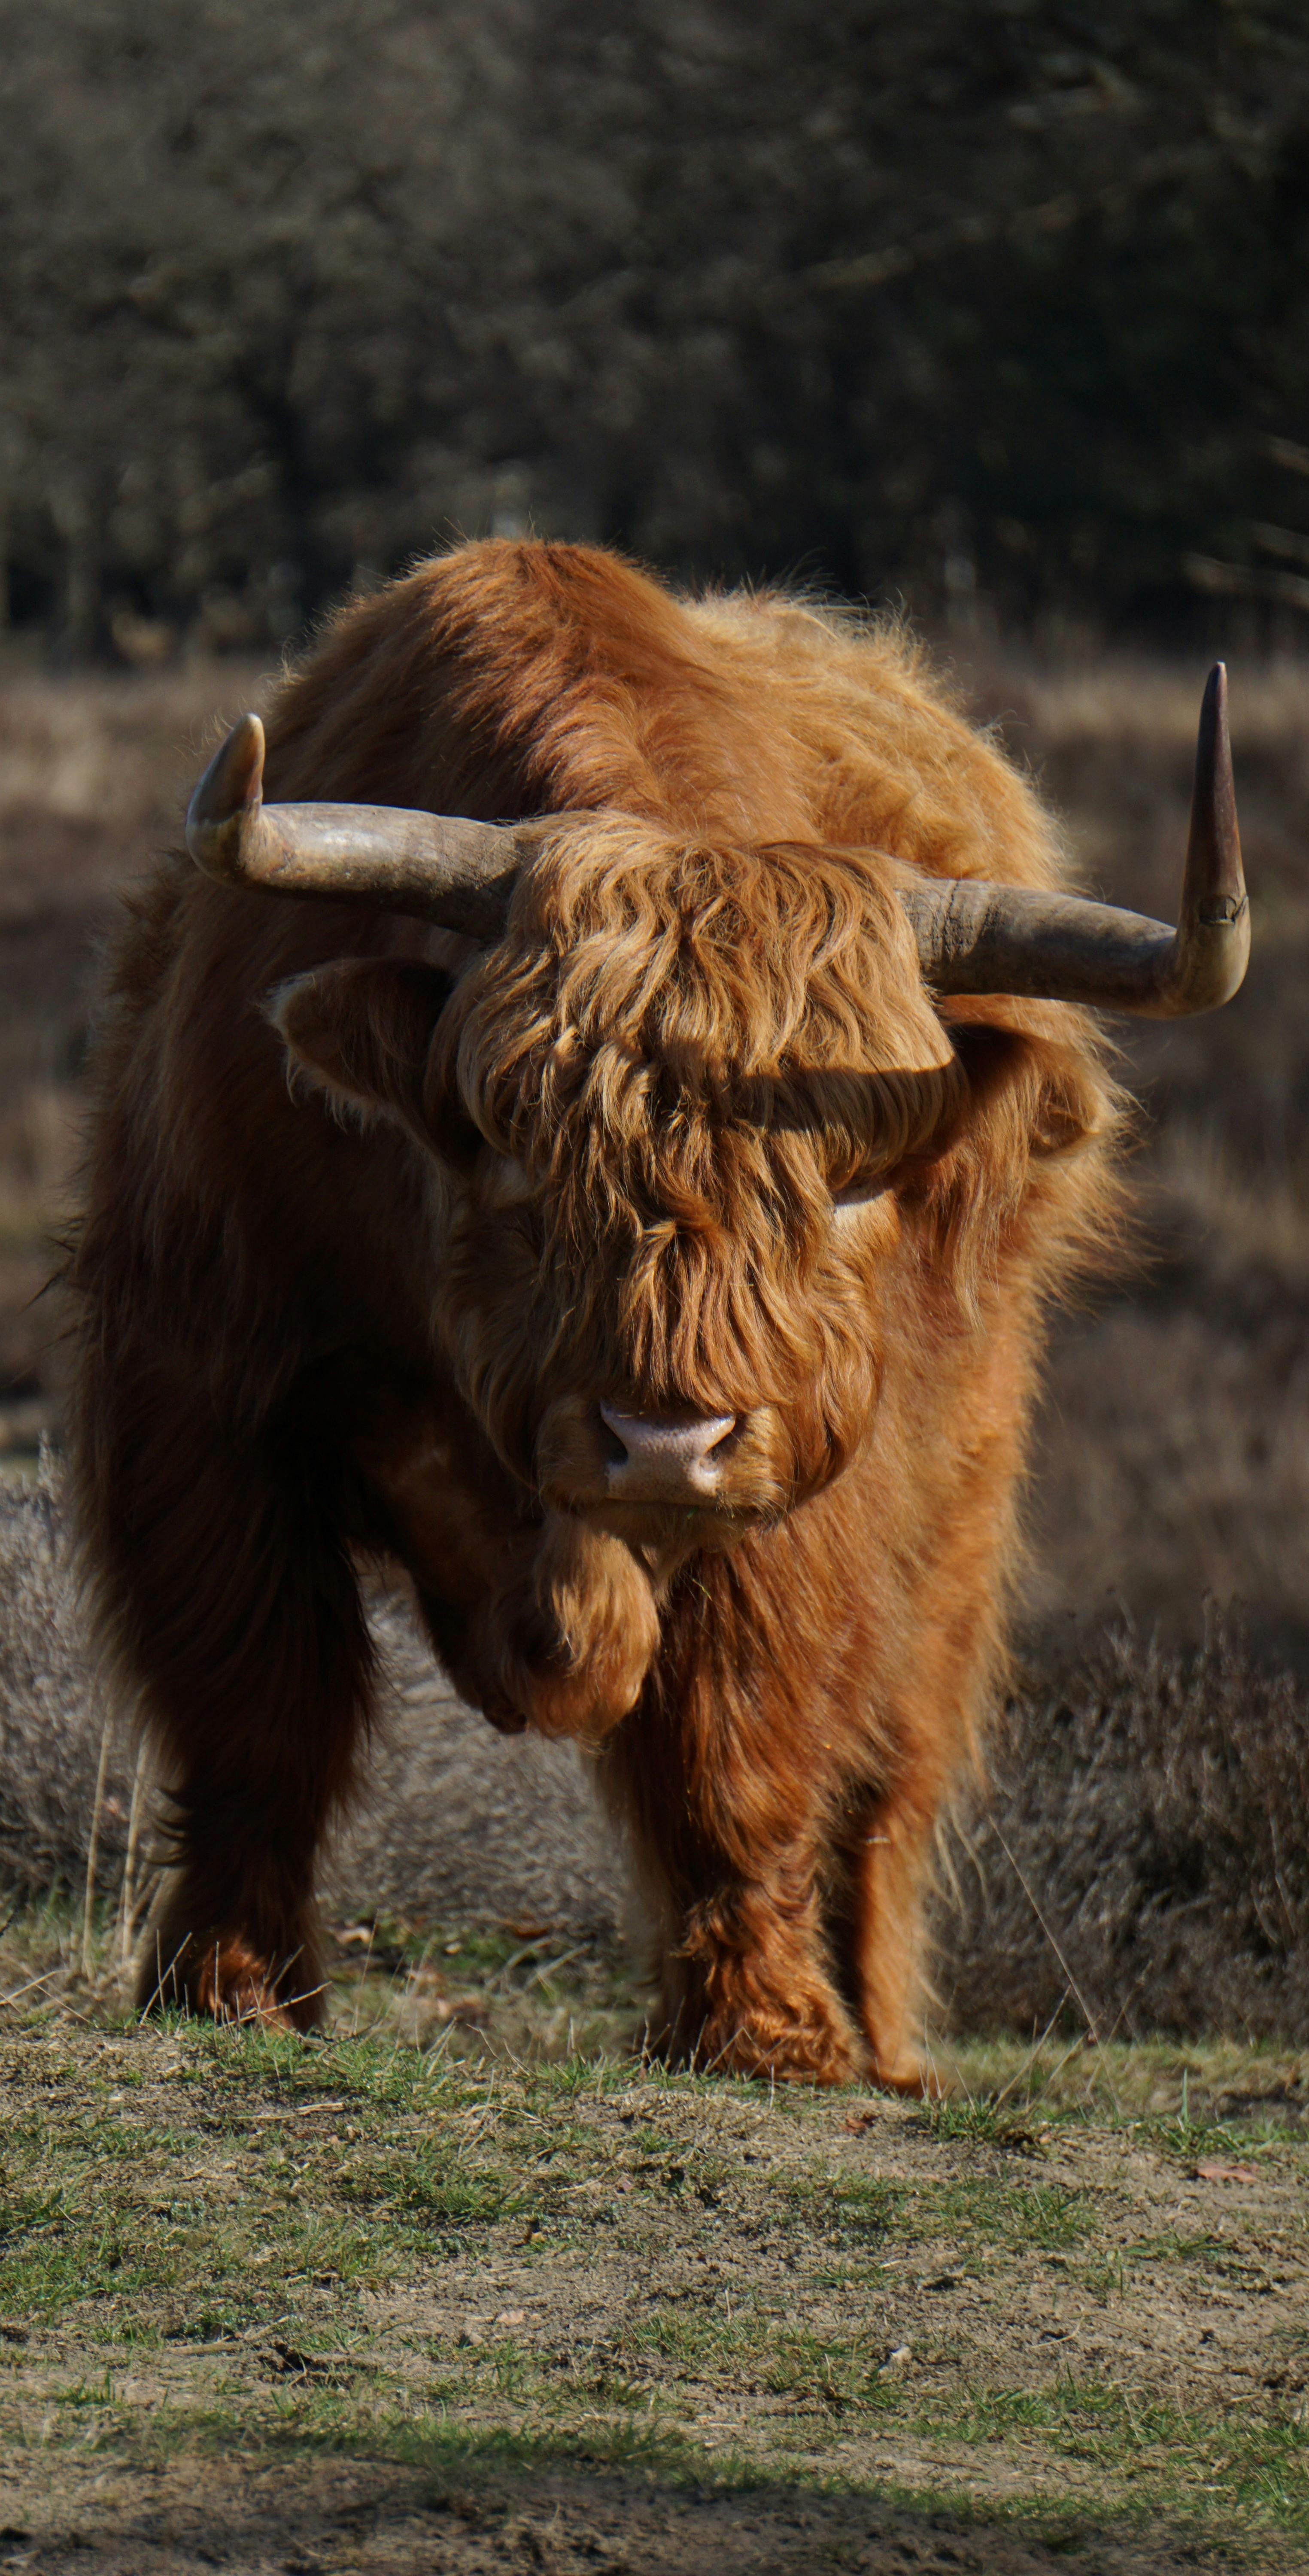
pixel 226 1980
pixel 908 2077
pixel 790 2057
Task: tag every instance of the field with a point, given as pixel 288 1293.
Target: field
pixel 467 2285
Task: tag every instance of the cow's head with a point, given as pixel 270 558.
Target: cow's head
pixel 694 1115
pixel 677 1117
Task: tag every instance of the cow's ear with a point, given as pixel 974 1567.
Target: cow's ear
pixel 1040 1084
pixel 361 1031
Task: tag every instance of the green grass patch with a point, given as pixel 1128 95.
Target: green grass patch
pixel 370 2248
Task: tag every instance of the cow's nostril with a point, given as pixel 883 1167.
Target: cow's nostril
pixel 727 1431
pixel 668 1453
pixel 679 1435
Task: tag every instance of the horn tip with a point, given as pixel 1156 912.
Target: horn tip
pixel 232 785
pixel 1213 740
pixel 239 768
pixel 1214 890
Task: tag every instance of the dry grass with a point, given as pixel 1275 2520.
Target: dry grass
pixel 1139 1863
pixel 93 777
pixel 1171 1459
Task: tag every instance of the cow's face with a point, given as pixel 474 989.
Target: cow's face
pixel 673 1363
pixel 677 1124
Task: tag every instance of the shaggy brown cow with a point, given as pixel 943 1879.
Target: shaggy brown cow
pixel 654 1270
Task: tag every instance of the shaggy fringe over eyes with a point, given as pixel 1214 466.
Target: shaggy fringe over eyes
pixel 689 1048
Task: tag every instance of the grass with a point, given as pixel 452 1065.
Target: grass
pixel 220 2245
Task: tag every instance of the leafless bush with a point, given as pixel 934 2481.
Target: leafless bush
pixel 1139 1862
pixel 51 1718
pixel 286 289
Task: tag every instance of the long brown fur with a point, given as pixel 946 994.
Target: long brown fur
pixel 372 1225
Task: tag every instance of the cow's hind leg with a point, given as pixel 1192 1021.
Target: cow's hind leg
pixel 232 1602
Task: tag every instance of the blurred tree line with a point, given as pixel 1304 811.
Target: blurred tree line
pixel 947 299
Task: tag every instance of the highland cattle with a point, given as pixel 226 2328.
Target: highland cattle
pixel 599 1130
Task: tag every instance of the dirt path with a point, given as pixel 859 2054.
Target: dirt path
pixel 367 2305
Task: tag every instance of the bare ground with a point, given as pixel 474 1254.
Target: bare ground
pixel 365 2305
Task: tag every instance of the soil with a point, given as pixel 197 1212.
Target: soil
pixel 364 2306
pixel 561 2523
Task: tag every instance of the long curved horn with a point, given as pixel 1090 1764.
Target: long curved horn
pixel 972 937
pixel 975 938
pixel 440 867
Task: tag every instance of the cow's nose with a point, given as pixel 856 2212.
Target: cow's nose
pixel 668 1457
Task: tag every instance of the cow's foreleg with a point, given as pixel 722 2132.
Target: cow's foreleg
pixel 235 1611
pixel 746 1991
pixel 881 1939
pixel 887 1947
pixel 723 1828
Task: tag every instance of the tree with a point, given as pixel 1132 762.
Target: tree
pixel 913 299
